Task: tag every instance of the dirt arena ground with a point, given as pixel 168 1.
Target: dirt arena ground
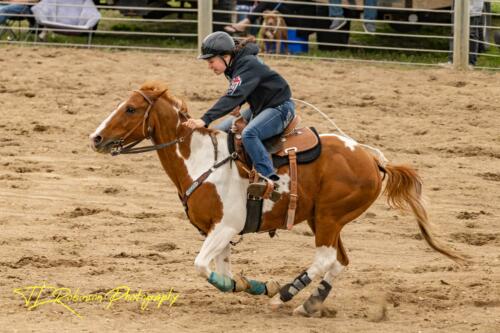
pixel 71 218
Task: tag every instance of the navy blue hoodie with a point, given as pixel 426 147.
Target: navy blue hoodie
pixel 250 81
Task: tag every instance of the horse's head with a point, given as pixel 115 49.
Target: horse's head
pixel 135 118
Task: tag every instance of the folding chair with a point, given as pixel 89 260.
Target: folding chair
pixel 71 17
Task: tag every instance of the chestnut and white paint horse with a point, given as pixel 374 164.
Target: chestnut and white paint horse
pixel 333 190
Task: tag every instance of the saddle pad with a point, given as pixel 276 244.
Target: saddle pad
pixel 304 156
pixel 311 152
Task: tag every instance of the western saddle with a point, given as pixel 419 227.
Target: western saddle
pixel 292 141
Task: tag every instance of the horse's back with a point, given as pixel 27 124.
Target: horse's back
pixel 343 167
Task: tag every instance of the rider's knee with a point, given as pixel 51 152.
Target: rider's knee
pixel 248 134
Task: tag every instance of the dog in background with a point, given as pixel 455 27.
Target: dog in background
pixel 273 32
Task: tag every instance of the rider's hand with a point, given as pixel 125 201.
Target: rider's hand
pixel 194 123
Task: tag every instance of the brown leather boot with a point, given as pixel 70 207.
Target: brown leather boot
pixel 265 189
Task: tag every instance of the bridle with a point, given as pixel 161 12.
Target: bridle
pixel 118 148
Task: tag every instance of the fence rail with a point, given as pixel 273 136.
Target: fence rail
pixel 416 35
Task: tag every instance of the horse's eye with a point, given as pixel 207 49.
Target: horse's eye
pixel 130 109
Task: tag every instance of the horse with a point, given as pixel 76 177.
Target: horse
pixel 336 188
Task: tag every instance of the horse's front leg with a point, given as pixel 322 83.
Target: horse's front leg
pixel 214 245
pixel 217 247
pixel 223 262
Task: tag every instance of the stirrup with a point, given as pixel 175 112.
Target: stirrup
pixel 265 189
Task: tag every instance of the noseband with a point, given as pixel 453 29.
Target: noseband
pixel 118 148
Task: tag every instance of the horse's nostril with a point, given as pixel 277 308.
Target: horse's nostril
pixel 97 139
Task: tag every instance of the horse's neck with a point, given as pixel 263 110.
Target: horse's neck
pixel 201 153
pixel 186 161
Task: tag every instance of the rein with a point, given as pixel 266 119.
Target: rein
pixel 119 149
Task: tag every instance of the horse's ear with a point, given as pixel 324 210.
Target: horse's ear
pixel 164 91
pixel 184 109
pixel 158 94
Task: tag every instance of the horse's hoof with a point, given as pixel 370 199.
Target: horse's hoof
pixel 300 311
pixel 272 288
pixel 276 302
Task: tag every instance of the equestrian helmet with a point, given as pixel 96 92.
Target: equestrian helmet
pixel 216 44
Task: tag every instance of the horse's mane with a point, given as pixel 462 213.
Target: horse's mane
pixel 157 86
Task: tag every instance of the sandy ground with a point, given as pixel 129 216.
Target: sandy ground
pixel 71 218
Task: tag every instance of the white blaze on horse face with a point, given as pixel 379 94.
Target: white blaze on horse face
pixel 230 187
pixel 284 187
pixel 349 143
pixel 104 124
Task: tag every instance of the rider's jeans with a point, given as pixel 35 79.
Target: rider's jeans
pixel 268 123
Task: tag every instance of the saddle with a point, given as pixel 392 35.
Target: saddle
pixel 294 146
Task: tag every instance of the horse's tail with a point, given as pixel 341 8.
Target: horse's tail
pixel 404 190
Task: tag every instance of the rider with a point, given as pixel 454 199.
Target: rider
pixel 251 81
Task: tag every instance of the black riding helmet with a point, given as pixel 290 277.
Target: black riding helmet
pixel 217 43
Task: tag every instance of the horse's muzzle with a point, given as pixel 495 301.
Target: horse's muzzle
pixel 98 144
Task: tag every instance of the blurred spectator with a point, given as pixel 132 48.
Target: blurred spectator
pixel 338 21
pixel 15 8
pixel 284 8
pixel 243 7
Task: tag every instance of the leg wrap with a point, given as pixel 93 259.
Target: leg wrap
pixel 256 287
pixel 317 297
pixel 249 286
pixel 288 291
pixel 222 282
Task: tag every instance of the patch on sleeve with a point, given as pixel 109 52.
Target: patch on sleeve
pixel 235 83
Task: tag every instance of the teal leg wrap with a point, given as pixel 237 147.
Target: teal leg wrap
pixel 221 282
pixel 256 287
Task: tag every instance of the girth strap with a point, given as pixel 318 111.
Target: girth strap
pixel 197 183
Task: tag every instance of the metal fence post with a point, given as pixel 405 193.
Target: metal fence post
pixel 204 20
pixel 461 29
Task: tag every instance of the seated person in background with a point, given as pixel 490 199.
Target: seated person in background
pixel 284 8
pixel 337 13
pixel 243 7
pixel 15 8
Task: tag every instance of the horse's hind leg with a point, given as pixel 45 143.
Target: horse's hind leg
pixel 318 296
pixel 325 258
pixel 328 235
pixel 328 250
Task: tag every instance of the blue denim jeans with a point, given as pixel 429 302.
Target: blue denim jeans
pixel 5 10
pixel 268 123
pixel 368 13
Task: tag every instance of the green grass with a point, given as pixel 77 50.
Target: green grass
pixel 119 28
pixel 117 39
pixel 408 42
